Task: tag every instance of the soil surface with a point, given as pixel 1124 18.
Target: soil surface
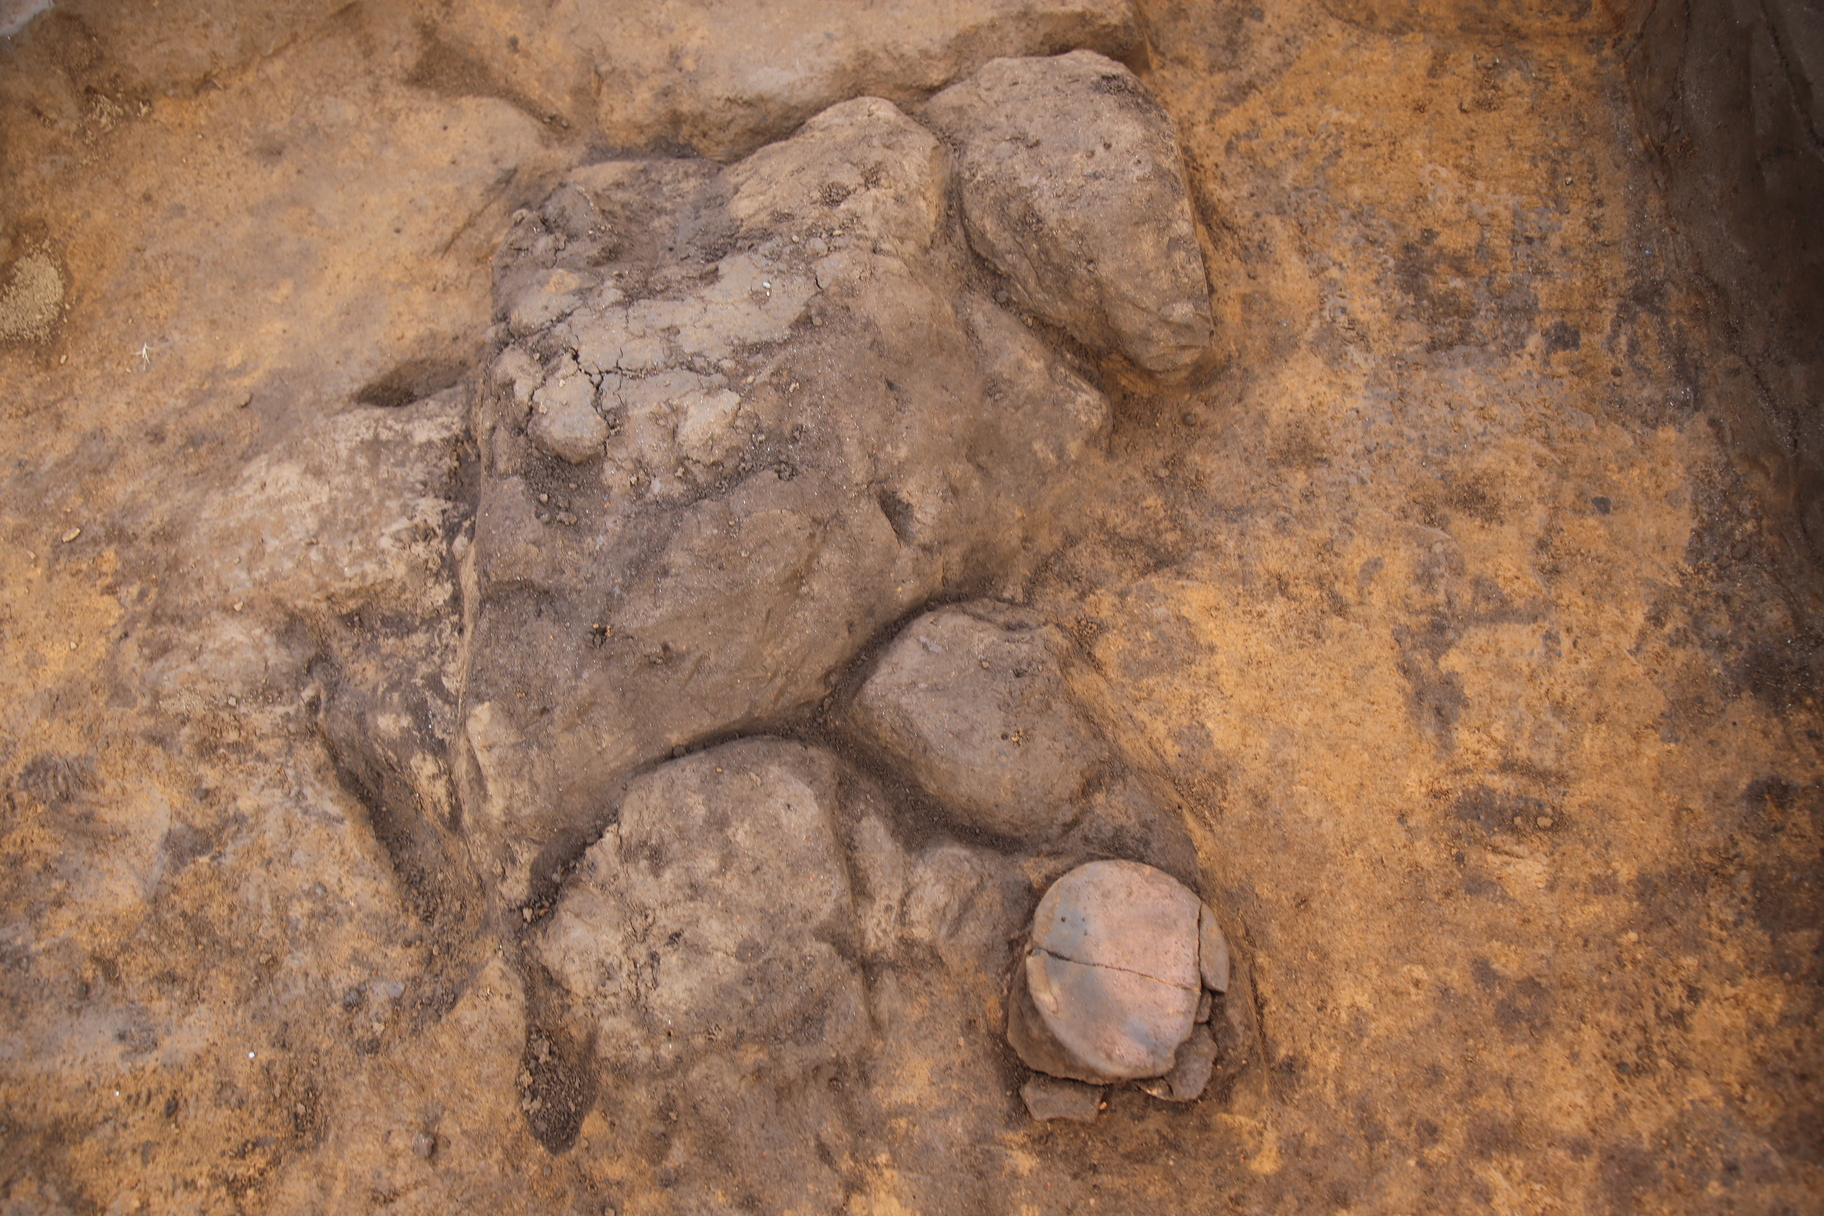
pixel 1433 603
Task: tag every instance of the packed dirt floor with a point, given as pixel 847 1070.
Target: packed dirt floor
pixel 1438 601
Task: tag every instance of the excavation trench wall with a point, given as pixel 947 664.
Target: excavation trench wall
pixel 1730 101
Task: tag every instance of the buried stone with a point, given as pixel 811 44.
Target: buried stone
pixel 783 416
pixel 971 701
pixel 1072 186
pixel 1114 979
pixel 736 420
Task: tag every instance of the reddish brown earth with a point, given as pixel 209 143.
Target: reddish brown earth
pixel 1476 643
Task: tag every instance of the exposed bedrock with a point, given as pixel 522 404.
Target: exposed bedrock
pixel 739 420
pixel 1073 187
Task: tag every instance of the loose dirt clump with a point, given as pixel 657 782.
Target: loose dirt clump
pixel 31 301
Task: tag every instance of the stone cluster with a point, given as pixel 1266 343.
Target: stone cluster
pixel 741 419
pixel 736 422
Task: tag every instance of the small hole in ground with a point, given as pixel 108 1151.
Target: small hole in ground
pixel 413 380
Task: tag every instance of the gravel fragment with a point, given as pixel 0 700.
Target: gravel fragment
pixel 1050 1098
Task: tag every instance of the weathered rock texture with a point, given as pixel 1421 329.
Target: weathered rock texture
pixel 353 512
pixel 346 531
pixel 1073 188
pixel 971 702
pixel 754 945
pixel 646 74
pixel 716 918
pixel 744 418
pixel 751 947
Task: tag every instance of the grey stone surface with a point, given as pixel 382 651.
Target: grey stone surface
pixel 1049 1098
pixel 971 701
pixel 349 512
pixel 760 963
pixel 345 529
pixel 1072 186
pixel 963 902
pixel 814 423
pixel 715 917
pixel 564 419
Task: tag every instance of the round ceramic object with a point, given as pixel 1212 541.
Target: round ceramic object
pixel 1113 975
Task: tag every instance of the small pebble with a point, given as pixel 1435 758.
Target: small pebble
pixel 1191 1069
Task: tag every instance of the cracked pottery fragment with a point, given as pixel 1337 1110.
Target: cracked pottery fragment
pixel 1112 983
pixel 1049 1098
